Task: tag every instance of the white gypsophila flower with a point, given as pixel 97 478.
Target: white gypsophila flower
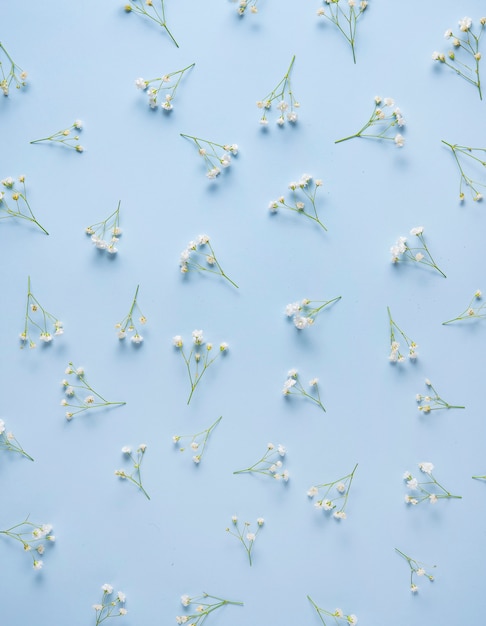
pixel 412 483
pixel 352 619
pixel 292 308
pixel 399 140
pixel 341 487
pixel 426 467
pixel 185 600
pixel 281 449
pixel 260 521
pixel 288 384
pixel 122 611
pixel 250 536
pixel 126 450
pixel 302 322
pixel 107 588
pixel 197 336
pixel 312 491
pixel 465 24
pixel 121 596
pixel 140 83
pixel 418 230
pixel 2 426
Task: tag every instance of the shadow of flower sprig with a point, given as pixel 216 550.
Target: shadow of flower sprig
pixel 468 42
pixel 198 441
pixel 93 400
pixel 434 402
pixel 10 443
pixel 430 490
pixel 416 569
pixel 33 537
pixel 22 208
pixel 333 502
pixel 146 8
pixel 345 20
pixel 385 117
pixel 164 83
pixel 270 464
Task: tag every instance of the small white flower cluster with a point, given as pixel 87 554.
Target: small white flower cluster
pixel 215 155
pixel 111 227
pixel 244 5
pixel 423 489
pixel 287 109
pixel 135 477
pixel 468 42
pixel 64 137
pixel 416 568
pixel 417 254
pixel 270 464
pixel 303 314
pixel 471 312
pixel 128 325
pixel 431 402
pixel 385 116
pixel 197 248
pixel 305 188
pixel 154 86
pixel 109 607
pixel 245 535
pixel 14 75
pixel 39 322
pixel 203 607
pixel 33 537
pixel 337 614
pixel 395 355
pixel 9 442
pixel 330 498
pixel 146 8
pixel 198 441
pixel 463 155
pixel 293 386
pixel 337 15
pixel 18 197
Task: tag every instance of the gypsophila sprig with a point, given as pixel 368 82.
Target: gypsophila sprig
pixel 293 387
pixel 401 251
pixel 215 155
pixel 383 122
pixel 38 319
pixel 18 198
pixel 164 84
pixel 104 235
pixel 198 441
pixel 204 604
pixel 416 569
pixel 474 157
pixel 334 496
pixel 305 188
pixel 429 490
pixel 339 617
pixel 201 248
pixel 304 312
pixel 10 72
pixel 245 535
pixel 345 19
pixel 128 325
pixel 9 442
pixel 395 355
pixel 135 477
pixel 33 537
pixel 464 44
pixel 109 606
pixel 79 395
pixel 68 137
pixel 147 9
pixel 287 104
pixel 432 401
pixel 245 5
pixel 200 357
pixel 471 311
pixel 270 464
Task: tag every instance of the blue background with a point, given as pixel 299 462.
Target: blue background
pixel 82 60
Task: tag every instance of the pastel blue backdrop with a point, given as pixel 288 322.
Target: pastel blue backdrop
pixel 82 60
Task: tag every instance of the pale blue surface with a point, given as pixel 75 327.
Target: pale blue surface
pixel 82 60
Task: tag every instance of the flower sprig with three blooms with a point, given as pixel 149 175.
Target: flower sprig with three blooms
pixel 395 355
pixel 416 254
pixel 198 441
pixel 471 312
pixel 468 42
pixel 416 569
pixel 110 226
pixel 42 325
pixel 109 607
pixel 385 118
pixel 246 536
pixel 346 21
pixel 478 158
pixel 307 187
pixel 424 492
pixel 65 138
pixel 14 75
pixel 304 312
pixel 329 502
pixel 135 477
pixel 430 402
pixel 204 606
pixel 270 464
pixel 9 442
pixel 128 324
pixel 287 110
pixel 199 358
pixel 293 387
pixel 93 400
pixel 22 208
pixel 215 155
pixel 154 86
pixel 201 247
pixel 146 8
pixel 244 5
pixel 338 615
pixel 33 537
